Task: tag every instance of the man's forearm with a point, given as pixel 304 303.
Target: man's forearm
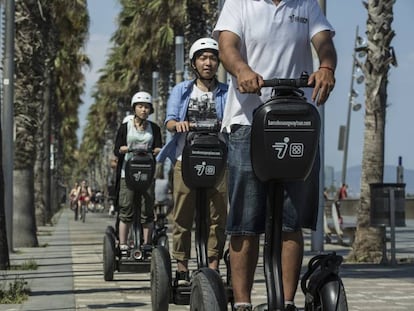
pixel 230 54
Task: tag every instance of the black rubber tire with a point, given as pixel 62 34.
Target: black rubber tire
pixel 163 241
pixel 332 296
pixel 207 292
pixel 83 213
pixel 110 230
pixel 108 256
pixel 160 279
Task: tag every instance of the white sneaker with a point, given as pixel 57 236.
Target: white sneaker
pixel 124 250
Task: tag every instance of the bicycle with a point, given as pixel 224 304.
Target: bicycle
pixel 83 210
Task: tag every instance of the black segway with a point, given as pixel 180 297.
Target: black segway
pixel 204 160
pixel 284 143
pixel 139 175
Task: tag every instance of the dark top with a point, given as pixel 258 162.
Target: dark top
pixel 121 140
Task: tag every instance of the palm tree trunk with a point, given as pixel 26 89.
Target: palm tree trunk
pixel 24 224
pixel 369 241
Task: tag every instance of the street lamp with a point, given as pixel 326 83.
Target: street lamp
pixel 352 106
pixel 155 77
pixel 179 59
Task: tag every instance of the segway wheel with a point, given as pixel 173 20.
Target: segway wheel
pixel 332 295
pixel 207 292
pixel 163 241
pixel 110 230
pixel 160 278
pixel 108 257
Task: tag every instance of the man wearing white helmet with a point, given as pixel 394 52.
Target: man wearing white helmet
pixel 135 130
pixel 200 99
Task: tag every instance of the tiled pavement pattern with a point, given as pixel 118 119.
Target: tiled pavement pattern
pixel 70 273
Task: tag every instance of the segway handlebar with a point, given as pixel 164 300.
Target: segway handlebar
pixel 296 83
pixel 140 150
pixel 203 126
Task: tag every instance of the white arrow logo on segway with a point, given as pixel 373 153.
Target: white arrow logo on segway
pixel 140 176
pixel 137 176
pixel 203 168
pixel 281 148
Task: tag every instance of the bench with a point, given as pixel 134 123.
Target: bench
pixel 344 233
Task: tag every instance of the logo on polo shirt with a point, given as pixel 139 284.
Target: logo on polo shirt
pixel 297 19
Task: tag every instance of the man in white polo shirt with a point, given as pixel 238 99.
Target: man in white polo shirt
pixel 264 39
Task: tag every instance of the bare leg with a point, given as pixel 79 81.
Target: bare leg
pixel 147 232
pixel 182 265
pixel 213 263
pixel 123 232
pixel 243 260
pixel 292 254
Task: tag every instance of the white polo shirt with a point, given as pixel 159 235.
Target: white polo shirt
pixel 275 42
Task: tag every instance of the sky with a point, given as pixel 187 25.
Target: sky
pixel 345 16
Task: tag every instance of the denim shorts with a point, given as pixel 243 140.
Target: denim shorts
pixel 247 195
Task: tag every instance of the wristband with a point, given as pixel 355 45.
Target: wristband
pixel 327 67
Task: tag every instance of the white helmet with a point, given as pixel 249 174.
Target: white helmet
pixel 203 44
pixel 142 97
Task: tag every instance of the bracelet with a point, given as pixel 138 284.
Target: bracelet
pixel 327 67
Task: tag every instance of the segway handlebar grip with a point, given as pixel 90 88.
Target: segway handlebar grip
pixel 202 127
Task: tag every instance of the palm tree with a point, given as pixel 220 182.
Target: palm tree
pixel 368 243
pixel 49 59
pixel 142 43
pixel 28 100
pixel 72 21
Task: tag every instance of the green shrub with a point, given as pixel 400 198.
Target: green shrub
pixel 16 293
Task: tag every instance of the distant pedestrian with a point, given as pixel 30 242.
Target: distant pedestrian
pixel 342 194
pixel 325 194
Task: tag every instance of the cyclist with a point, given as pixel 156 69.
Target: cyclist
pixel 138 130
pixel 73 198
pixel 84 194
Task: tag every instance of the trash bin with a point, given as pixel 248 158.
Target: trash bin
pixel 381 204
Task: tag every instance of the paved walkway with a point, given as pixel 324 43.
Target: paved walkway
pixel 70 274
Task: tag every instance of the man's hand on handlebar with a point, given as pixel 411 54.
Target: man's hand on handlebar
pixel 178 126
pixel 324 81
pixel 249 81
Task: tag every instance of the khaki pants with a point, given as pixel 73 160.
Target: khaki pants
pixel 183 216
pixel 129 199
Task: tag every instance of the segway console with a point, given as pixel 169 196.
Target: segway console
pixel 284 144
pixel 140 170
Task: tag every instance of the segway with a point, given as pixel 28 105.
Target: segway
pixel 139 175
pixel 203 163
pixel 284 144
